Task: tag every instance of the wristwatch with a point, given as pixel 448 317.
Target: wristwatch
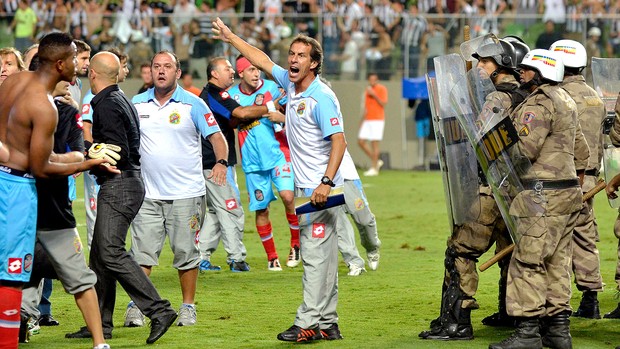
pixel 223 162
pixel 327 181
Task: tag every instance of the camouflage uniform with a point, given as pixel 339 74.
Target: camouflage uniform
pixel 614 135
pixel 539 273
pixel 591 112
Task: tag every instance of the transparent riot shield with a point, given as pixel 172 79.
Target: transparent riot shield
pixel 486 46
pixel 479 109
pixel 606 79
pixel 456 155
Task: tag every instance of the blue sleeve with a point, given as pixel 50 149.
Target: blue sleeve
pixel 87 110
pixel 327 117
pixel 280 75
pixel 203 118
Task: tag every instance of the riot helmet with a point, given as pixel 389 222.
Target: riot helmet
pixel 547 63
pixel 520 47
pixel 503 53
pixel 573 53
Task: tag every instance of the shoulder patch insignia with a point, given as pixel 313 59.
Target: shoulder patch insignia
pixel 525 131
pixel 528 117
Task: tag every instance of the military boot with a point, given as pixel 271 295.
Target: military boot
pixel 500 318
pixel 526 336
pixel 459 330
pixel 614 314
pixel 556 333
pixel 588 308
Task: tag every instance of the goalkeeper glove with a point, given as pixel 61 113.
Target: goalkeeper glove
pixel 109 152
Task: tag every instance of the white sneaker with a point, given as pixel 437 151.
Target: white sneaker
pixel 102 346
pixel 355 270
pixel 373 259
pixel 371 172
pixel 274 265
pixel 294 257
pixel 379 164
pixel 187 315
pixel 133 316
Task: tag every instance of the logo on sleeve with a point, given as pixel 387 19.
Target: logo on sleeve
pixel 28 263
pixel 78 121
pixel 318 230
pixel 15 266
pixel 334 121
pixel 93 204
pixel 528 117
pixel 210 119
pixel 85 108
pixel 231 204
pixel 224 95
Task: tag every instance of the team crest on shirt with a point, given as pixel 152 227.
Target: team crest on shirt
pixel 28 263
pixel 77 244
pixel 300 108
pixel 194 224
pixel 318 230
pixel 14 266
pixel 85 108
pixel 231 204
pixel 174 118
pixel 334 121
pixel 525 131
pixel 359 204
pixel 528 117
pixel 224 95
pixel 258 195
pixel 260 99
pixel 210 119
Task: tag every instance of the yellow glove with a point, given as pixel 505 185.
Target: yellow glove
pixel 109 152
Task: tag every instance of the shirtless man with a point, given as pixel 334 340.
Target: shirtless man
pixel 27 130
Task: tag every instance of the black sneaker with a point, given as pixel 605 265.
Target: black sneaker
pixel 237 267
pixel 83 332
pixel 48 320
pixel 331 333
pixel 298 334
pixel 614 314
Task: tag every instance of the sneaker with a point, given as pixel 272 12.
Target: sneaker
pixel 133 316
pixel 355 270
pixel 371 172
pixel 373 259
pixel 614 314
pixel 102 346
pixel 298 334
pixel 48 320
pixel 83 332
pixel 187 315
pixel 33 327
pixel 294 257
pixel 331 333
pixel 205 265
pixel 237 267
pixel 379 164
pixel 274 265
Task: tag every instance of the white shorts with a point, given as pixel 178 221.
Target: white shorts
pixel 371 130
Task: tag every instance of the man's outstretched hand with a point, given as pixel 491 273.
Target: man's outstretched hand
pixel 221 30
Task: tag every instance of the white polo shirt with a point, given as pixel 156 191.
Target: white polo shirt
pixel 170 149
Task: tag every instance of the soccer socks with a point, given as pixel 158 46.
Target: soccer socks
pixel 266 237
pixel 10 305
pixel 293 224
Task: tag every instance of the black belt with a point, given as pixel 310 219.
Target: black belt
pixel 593 172
pixel 123 174
pixel 549 184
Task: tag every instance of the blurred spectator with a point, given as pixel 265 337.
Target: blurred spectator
pixel 94 14
pixel 103 38
pixel 593 49
pixel 434 43
pixel 330 38
pixel 384 12
pixel 548 37
pixel 574 20
pixel 348 58
pixel 183 13
pixel 494 9
pixel 187 82
pixel 58 15
pixel 77 17
pixel 279 49
pixel 594 12
pixel 302 26
pixel 525 12
pixel 555 11
pixel 24 25
pixel 200 50
pixel 414 27
pixel 351 11
pixel 8 9
pixel 225 9
pixel 41 9
pixel 142 19
pixel 162 35
pixel 181 44
pixel 379 53
pixel 613 43
pixel 147 77
pixel 270 10
pixel 139 52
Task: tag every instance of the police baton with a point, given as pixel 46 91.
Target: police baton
pixel 600 185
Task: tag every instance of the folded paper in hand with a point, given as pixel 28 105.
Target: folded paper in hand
pixel 303 204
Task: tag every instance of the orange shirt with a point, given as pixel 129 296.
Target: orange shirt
pixel 195 90
pixel 374 110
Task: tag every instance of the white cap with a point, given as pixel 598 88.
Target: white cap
pixel 594 31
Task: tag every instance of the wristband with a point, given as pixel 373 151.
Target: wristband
pixel 270 106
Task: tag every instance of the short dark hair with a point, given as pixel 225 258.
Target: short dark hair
pixel 35 62
pixel 211 66
pixel 81 46
pixel 176 59
pixel 316 52
pixel 54 47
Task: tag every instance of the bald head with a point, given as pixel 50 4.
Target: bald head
pixel 103 71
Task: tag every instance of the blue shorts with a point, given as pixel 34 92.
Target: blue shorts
pixel 423 128
pixel 18 224
pixel 259 184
